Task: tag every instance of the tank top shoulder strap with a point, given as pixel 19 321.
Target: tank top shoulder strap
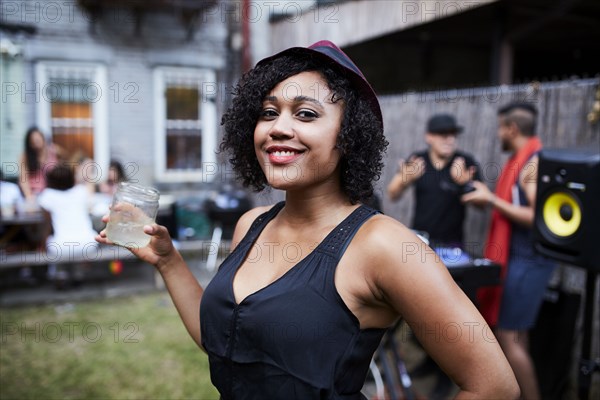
pixel 518 195
pixel 260 222
pixel 337 241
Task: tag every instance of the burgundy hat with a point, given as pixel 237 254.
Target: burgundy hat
pixel 327 51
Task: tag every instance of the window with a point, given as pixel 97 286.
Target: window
pixel 71 113
pixel 185 124
pixel 72 108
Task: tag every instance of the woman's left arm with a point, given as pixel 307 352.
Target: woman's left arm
pixel 412 280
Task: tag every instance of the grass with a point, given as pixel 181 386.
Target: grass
pixel 124 348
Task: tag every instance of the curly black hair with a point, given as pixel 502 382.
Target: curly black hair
pixel 360 141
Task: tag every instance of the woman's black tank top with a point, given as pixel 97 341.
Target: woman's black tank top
pixel 293 339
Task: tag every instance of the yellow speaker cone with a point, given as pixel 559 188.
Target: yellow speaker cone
pixel 562 214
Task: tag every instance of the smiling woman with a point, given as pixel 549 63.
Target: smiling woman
pixel 330 84
pixel 312 283
pixel 295 137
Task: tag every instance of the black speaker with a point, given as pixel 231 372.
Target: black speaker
pixel 567 212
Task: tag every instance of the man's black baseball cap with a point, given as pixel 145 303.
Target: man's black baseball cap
pixel 443 123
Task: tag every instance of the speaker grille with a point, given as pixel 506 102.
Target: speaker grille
pixel 561 214
pixel 567 212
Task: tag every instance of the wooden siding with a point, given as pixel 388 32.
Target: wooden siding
pixel 352 22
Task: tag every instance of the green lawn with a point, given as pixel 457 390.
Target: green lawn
pixel 124 348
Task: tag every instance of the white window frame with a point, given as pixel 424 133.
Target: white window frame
pixel 45 71
pixel 204 78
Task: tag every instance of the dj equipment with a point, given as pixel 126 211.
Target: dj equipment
pixel 567 219
pixel 468 272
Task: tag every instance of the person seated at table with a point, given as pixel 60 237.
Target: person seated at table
pixel 116 174
pixel 105 191
pixel 38 158
pixel 73 234
pixel 14 236
pixel 10 195
pixel 86 170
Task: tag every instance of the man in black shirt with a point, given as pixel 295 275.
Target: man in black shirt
pixel 441 174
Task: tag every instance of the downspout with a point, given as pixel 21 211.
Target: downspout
pixel 246 49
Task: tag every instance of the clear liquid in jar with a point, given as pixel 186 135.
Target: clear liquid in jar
pixel 128 233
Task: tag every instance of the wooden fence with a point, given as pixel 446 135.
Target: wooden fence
pixel 562 123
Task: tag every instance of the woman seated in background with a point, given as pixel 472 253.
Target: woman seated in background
pixel 105 191
pixel 38 158
pixel 116 174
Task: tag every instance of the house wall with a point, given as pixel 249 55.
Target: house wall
pixel 12 115
pixel 65 32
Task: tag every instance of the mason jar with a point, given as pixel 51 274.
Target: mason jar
pixel 133 206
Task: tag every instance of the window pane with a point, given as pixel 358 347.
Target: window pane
pixel 72 127
pixel 183 103
pixel 71 91
pixel 184 149
pixel 75 140
pixel 71 110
